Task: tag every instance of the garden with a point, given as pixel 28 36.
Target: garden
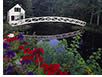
pixel 80 54
pixel 26 57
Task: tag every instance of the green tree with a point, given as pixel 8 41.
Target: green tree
pixel 27 4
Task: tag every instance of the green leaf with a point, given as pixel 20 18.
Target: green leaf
pixel 99 49
pixel 71 45
pixel 94 53
pixel 15 57
pixel 40 70
pixel 91 57
pixel 77 46
pixel 97 57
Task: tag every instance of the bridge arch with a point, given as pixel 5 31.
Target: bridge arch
pixel 49 19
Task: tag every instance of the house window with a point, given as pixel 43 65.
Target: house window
pixel 12 18
pixel 21 17
pixel 17 9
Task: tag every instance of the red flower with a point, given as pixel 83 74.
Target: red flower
pixel 24 43
pixel 65 73
pixel 41 50
pixel 27 57
pixel 21 47
pixel 4 37
pixel 62 73
pixel 39 59
pixel 4 58
pixel 52 69
pixel 37 51
pixel 30 57
pixel 7 39
pixel 55 66
pixel 43 65
pixel 58 71
pixel 11 39
pixel 14 38
pixel 50 73
pixel 28 51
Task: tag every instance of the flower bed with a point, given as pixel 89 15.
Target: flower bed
pixel 20 60
pixel 25 57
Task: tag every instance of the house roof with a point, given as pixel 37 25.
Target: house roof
pixel 17 5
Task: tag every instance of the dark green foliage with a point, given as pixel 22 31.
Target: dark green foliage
pixel 9 29
pixel 68 57
pixel 79 65
pixel 28 7
pixel 93 64
pixel 81 9
pixel 31 43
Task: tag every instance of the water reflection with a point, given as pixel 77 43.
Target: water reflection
pixel 52 43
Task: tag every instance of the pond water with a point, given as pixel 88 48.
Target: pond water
pixel 89 43
pixel 52 43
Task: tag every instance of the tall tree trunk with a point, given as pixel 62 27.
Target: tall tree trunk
pixel 98 19
pixel 91 17
pixel 98 15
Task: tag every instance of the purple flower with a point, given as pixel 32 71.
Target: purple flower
pixel 30 73
pixel 10 53
pixel 26 61
pixel 5 45
pixel 10 68
pixel 20 36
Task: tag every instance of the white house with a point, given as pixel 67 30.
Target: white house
pixel 15 13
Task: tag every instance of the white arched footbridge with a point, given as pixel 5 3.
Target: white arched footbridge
pixel 48 19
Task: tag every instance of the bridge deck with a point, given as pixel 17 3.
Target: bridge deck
pixel 48 19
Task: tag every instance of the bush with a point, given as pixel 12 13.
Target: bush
pixel 69 58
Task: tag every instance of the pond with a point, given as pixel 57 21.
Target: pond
pixel 88 44
pixel 52 43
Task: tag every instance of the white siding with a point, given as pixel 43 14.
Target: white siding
pixel 17 15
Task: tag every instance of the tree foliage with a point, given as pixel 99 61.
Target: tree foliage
pixel 81 9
